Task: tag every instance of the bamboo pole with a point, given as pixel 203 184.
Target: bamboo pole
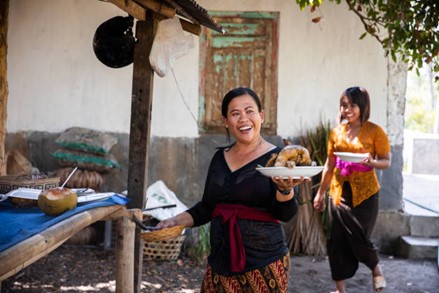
pixel 4 11
pixel 125 255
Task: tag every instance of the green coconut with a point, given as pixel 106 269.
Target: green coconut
pixel 55 201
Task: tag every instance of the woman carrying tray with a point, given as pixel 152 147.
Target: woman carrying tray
pixel 245 208
pixel 354 200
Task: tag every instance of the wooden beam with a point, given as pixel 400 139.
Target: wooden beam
pixel 186 25
pixel 190 27
pixel 141 104
pixel 130 7
pixel 137 9
pixel 160 8
pixel 126 233
pixel 4 11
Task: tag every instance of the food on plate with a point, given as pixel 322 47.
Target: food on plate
pixel 55 201
pixel 24 202
pixel 290 156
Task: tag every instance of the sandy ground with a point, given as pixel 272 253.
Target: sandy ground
pixel 312 275
pixel 89 269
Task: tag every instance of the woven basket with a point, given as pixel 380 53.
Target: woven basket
pixel 8 183
pixel 163 234
pixel 163 250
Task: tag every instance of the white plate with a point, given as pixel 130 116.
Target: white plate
pixel 84 195
pixel 26 193
pixel 93 197
pixel 83 191
pixel 351 157
pixel 296 172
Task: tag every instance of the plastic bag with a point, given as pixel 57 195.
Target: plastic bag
pixel 170 43
pixel 157 195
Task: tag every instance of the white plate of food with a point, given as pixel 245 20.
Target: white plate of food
pixel 351 157
pixel 296 172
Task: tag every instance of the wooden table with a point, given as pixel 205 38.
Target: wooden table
pixel 30 250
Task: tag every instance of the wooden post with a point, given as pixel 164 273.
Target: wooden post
pixel 4 11
pixel 141 103
pixel 126 232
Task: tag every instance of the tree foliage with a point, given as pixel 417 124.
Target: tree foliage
pixel 408 30
pixel 418 117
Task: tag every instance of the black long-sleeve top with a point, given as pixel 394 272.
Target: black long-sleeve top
pixel 264 242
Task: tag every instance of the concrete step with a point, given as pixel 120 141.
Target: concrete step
pixel 416 247
pixel 424 226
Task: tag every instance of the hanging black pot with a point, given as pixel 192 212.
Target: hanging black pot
pixel 113 42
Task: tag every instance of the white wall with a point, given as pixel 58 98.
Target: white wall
pixel 55 80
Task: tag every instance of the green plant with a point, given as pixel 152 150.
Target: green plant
pixel 418 116
pixel 316 140
pixel 306 232
pixel 201 247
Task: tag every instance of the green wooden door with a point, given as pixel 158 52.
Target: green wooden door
pixel 244 56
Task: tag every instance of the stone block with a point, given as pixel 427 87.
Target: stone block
pixel 414 247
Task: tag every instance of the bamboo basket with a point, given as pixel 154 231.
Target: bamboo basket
pixel 10 182
pixel 163 250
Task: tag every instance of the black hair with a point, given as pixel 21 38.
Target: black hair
pixel 359 96
pixel 237 92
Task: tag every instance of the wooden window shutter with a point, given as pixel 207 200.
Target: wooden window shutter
pixel 246 55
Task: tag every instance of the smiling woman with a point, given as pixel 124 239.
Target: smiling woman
pixel 238 199
pixel 353 189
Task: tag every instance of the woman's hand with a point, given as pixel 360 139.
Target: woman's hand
pixel 319 202
pixel 168 223
pixel 381 162
pixel 183 218
pixel 288 183
pixel 368 161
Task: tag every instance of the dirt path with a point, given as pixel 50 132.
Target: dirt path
pixel 89 269
pixel 311 275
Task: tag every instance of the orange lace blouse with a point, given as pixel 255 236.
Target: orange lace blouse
pixel 371 139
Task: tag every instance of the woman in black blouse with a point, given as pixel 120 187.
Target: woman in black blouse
pixel 248 246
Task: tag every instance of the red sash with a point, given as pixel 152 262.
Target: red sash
pixel 230 212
